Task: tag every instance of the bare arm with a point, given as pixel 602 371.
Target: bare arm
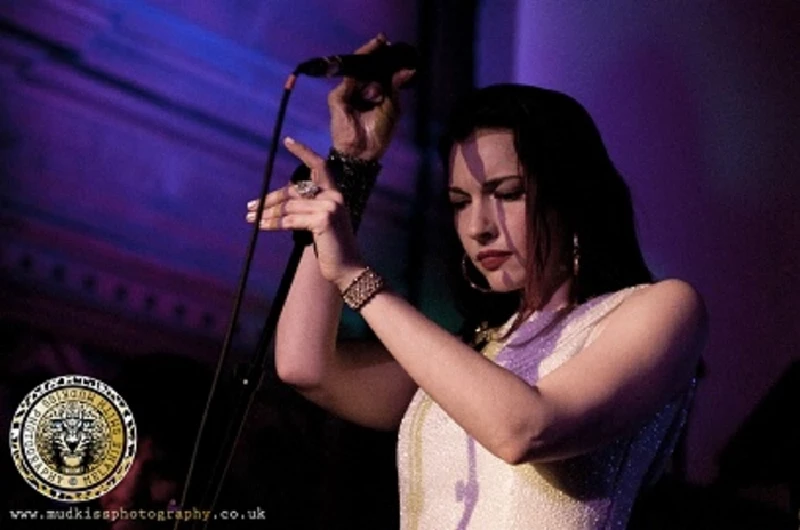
pixel 358 381
pixel 644 356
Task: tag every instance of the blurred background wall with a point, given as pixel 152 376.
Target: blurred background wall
pixel 134 132
pixel 698 104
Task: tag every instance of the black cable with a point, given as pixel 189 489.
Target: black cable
pixel 248 389
pixel 251 381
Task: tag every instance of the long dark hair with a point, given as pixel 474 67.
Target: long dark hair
pixel 573 189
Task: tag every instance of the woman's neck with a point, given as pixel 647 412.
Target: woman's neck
pixel 560 298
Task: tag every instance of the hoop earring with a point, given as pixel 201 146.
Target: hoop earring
pixel 471 283
pixel 576 256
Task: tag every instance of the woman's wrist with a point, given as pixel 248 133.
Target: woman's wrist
pixel 359 287
pixel 347 277
pixel 348 151
pixel 355 178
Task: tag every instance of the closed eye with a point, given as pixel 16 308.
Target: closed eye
pixel 458 199
pixel 510 195
pixel 458 205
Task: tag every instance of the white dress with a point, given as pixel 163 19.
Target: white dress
pixel 449 481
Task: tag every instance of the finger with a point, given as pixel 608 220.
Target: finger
pixel 273 212
pixel 289 193
pixel 372 45
pixel 276 197
pixel 291 222
pixel 319 172
pixel 294 206
pixel 402 77
pixel 304 153
pixel 342 92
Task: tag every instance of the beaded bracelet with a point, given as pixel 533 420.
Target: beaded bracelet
pixel 363 289
pixel 355 178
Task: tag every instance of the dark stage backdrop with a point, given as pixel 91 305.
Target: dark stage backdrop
pixel 133 132
pixel 698 104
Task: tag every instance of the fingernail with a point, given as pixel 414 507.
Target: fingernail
pixel 288 140
pixel 252 205
pixel 251 216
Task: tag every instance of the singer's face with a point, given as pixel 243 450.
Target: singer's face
pixel 487 192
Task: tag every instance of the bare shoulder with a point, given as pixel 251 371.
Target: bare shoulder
pixel 667 318
pixel 672 298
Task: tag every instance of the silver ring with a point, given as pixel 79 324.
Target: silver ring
pixel 307 189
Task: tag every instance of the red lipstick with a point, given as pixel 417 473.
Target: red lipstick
pixel 493 259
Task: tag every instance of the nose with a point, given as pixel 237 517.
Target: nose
pixel 482 222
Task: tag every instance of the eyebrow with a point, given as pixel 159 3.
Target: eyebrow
pixel 488 185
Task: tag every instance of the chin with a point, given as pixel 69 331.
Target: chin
pixel 504 288
pixel 502 282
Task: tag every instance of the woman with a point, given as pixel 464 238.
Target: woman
pixel 579 393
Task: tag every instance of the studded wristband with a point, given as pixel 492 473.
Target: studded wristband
pixel 355 179
pixel 363 289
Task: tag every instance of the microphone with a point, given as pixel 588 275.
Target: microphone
pixel 376 66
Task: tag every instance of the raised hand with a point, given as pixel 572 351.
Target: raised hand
pixel 363 116
pixel 322 213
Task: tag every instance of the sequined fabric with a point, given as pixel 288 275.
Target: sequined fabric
pixel 449 481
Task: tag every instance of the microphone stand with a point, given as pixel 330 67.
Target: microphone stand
pixel 250 380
